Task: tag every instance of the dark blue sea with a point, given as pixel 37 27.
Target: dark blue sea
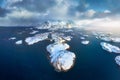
pixel 24 62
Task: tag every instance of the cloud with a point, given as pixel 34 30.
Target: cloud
pixel 99 23
pixel 107 11
pixel 22 13
pixel 10 2
pixel 3 12
pixel 87 14
pixel 90 13
pixel 34 11
pixel 62 10
pixel 21 16
pixel 31 5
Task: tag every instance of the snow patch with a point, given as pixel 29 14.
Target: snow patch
pixel 117 60
pixel 36 38
pixel 110 48
pixel 18 42
pixel 85 42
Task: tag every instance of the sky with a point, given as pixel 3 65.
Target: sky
pixel 84 12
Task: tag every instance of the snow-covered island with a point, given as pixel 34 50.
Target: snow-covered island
pixel 116 40
pixel 34 32
pixel 60 37
pixel 12 38
pixel 82 38
pixel 106 37
pixel 117 60
pixel 85 42
pixel 63 60
pixel 110 48
pixel 111 39
pixel 36 38
pixel 60 57
pixel 85 35
pixel 53 48
pixel 18 42
pixel 68 38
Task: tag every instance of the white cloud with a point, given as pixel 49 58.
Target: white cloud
pixel 22 14
pixel 78 14
pixel 90 13
pixel 99 23
pixel 59 1
pixel 13 1
pixel 61 9
pixel 107 11
pixel 8 3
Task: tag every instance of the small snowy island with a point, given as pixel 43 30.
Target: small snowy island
pixel 116 40
pixel 12 38
pixel 63 60
pixel 110 48
pixel 18 42
pixel 85 42
pixel 34 32
pixel 82 38
pixel 53 48
pixel 60 57
pixel 117 60
pixel 36 38
pixel 106 37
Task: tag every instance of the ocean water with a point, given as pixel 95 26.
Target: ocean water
pixel 23 62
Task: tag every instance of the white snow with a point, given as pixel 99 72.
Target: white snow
pixel 85 35
pixel 34 32
pixel 60 37
pixel 57 37
pixel 110 48
pixel 103 36
pixel 36 38
pixel 82 37
pixel 55 25
pixel 85 42
pixel 68 38
pixel 106 39
pixel 117 60
pixel 18 42
pixel 60 58
pixel 112 39
pixel 117 40
pixel 63 60
pixel 12 38
pixel 53 48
